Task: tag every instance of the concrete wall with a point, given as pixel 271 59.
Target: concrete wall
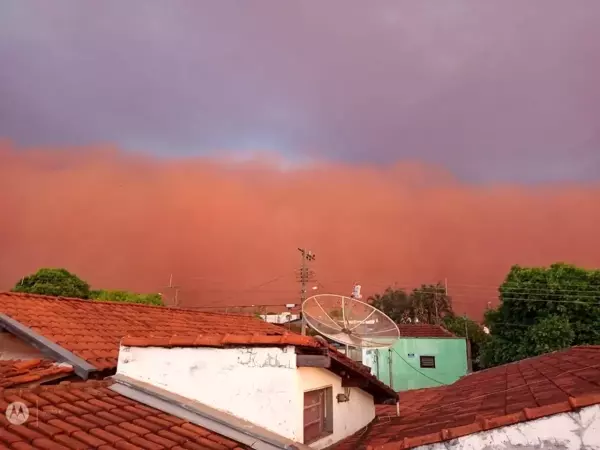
pixel 570 431
pixel 406 373
pixel 261 385
pixel 11 347
pixel 348 417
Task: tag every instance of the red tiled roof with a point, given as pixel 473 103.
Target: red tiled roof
pixel 88 415
pixel 219 340
pixel 526 390
pixel 93 330
pixel 417 330
pixel 15 373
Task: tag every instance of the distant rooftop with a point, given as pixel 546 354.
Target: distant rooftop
pixel 525 390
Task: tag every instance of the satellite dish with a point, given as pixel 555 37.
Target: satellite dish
pixel 349 321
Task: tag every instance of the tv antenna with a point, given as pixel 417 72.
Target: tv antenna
pixel 349 321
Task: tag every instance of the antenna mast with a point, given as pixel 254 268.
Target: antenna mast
pixel 305 276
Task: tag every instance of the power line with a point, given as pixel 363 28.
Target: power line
pixel 588 303
pixel 417 370
pixel 582 293
pixel 433 286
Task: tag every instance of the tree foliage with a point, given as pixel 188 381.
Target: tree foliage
pixel 55 282
pixel 462 326
pixel 62 283
pixel 431 304
pixel 426 304
pixel 541 310
pixel 127 297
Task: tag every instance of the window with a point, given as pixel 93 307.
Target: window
pixel 318 414
pixel 428 362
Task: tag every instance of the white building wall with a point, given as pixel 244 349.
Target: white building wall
pixel 348 417
pixel 259 384
pixel 256 384
pixel 569 431
pixel 282 318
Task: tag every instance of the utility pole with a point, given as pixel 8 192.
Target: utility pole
pixel 176 288
pixel 305 276
pixel 437 315
pixel 468 343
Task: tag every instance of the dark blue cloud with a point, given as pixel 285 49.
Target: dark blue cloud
pixel 492 90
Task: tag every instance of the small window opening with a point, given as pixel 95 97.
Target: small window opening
pixel 428 362
pixel 318 414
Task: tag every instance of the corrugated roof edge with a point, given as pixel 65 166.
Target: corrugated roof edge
pixel 51 349
pixel 137 305
pixel 202 415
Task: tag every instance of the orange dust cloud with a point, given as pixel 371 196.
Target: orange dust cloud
pixel 229 231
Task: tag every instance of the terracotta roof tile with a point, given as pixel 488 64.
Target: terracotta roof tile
pixel 15 373
pixel 225 340
pixel 417 330
pixel 93 330
pixel 86 430
pixel 526 390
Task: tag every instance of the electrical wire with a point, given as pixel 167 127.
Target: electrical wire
pixel 417 370
pixel 505 298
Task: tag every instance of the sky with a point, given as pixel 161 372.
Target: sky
pixel 404 142
pixel 493 91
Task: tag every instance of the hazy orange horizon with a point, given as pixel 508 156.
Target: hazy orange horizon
pixel 229 232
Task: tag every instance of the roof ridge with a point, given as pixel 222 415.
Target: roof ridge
pixel 573 403
pixel 124 304
pixel 562 350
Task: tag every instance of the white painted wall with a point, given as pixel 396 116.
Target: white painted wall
pixel 261 385
pixel 569 431
pixel 256 384
pixel 348 417
pixel 282 318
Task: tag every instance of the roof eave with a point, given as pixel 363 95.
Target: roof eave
pixel 202 415
pixel 48 348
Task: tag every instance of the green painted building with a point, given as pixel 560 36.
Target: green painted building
pixel 424 356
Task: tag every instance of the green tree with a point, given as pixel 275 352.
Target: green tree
pixel 465 327
pixel 55 282
pixel 127 297
pixel 427 304
pixel 393 302
pixel 543 309
pixel 430 304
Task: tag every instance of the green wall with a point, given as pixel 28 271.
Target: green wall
pixel 450 362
